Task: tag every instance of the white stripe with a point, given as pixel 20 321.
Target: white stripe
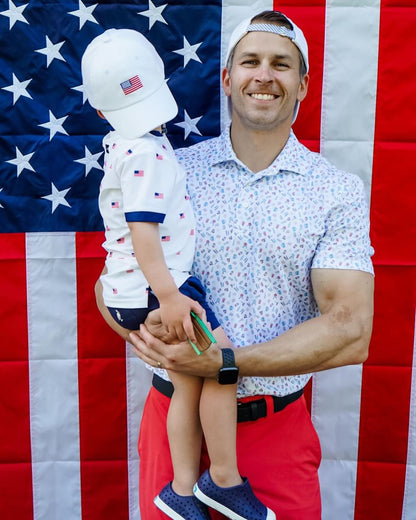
pixel 138 383
pixel 350 85
pixel 53 375
pixel 336 416
pixel 409 500
pixel 233 12
pixel 347 138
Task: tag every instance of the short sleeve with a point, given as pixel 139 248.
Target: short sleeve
pixel 147 181
pixel 346 241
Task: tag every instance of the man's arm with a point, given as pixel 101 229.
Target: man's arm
pixel 339 336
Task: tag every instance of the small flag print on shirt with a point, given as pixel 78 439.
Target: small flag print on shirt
pixel 158 195
pixel 139 173
pixel 131 85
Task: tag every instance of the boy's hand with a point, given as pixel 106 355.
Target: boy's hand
pixel 175 313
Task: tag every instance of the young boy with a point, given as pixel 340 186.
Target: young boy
pixel 149 228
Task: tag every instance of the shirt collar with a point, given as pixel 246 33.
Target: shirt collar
pixel 293 158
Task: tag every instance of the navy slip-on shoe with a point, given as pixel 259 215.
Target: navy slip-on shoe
pixel 236 502
pixel 180 507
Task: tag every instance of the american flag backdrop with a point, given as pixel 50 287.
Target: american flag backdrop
pixel 71 392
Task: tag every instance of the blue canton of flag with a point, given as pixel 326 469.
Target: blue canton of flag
pixel 50 149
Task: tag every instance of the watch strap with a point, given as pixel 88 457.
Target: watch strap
pixel 228 358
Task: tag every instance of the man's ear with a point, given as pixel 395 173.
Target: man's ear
pixel 303 88
pixel 100 114
pixel 226 82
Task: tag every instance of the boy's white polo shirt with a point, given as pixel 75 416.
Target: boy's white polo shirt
pixel 143 182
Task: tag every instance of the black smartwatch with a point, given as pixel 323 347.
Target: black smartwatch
pixel 228 374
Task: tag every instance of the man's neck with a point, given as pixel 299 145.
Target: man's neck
pixel 257 149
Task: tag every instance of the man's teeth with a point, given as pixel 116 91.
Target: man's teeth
pixel 263 96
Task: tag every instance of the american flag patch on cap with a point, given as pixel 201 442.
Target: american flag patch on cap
pixel 131 85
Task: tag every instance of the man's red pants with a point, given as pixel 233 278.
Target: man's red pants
pixel 280 454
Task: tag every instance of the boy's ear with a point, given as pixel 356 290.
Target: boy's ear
pixel 100 114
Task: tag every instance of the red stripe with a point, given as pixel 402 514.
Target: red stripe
pixel 102 395
pixel 387 373
pixel 386 398
pixel 311 19
pixel 15 451
pixel 394 180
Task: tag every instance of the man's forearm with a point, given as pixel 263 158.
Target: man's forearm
pixel 315 345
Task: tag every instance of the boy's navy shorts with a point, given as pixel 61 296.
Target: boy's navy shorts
pixel 131 319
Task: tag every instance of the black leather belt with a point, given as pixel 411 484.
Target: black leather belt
pixel 246 411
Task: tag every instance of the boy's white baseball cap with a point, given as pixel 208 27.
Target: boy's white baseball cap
pixel 124 78
pixel 295 35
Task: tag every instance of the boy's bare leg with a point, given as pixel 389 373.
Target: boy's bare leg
pixel 218 411
pixel 184 431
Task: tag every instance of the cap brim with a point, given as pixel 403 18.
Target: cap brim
pixel 139 118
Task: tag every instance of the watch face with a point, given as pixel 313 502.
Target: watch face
pixel 228 376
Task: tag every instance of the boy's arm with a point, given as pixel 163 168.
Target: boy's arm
pixel 149 255
pixel 175 307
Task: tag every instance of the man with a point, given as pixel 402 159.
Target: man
pixel 284 254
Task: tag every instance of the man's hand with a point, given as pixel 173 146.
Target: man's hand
pixel 178 357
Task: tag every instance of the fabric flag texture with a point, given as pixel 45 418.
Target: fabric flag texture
pixel 71 392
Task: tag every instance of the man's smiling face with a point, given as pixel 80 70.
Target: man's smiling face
pixel 264 81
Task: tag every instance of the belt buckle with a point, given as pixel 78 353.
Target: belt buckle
pixel 251 410
pixel 255 410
